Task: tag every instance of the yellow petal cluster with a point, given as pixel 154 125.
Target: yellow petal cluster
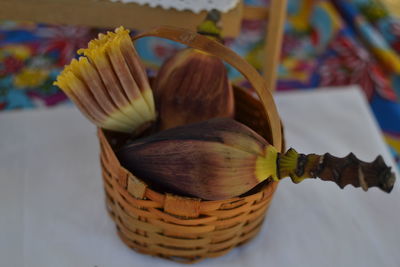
pixel 108 83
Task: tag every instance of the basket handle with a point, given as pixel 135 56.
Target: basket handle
pixel 205 44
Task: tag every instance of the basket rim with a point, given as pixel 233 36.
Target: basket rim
pixel 146 192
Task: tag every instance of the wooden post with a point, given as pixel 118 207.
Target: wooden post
pixel 273 42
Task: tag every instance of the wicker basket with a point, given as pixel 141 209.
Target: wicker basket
pixel 186 229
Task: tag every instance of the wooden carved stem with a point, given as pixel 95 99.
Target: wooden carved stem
pixel 342 171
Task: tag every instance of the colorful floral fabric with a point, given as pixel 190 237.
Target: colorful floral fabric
pixel 326 43
pixel 31 56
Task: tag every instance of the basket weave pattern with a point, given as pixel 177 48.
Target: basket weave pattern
pixel 179 228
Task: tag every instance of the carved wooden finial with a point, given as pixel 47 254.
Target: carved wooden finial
pixel 342 171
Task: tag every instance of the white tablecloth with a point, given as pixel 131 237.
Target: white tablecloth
pixel 52 209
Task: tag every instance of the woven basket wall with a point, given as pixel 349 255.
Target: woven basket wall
pixel 184 229
pixel 179 228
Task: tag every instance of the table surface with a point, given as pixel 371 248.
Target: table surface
pixel 52 203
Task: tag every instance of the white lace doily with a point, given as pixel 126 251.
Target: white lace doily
pixel 195 6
